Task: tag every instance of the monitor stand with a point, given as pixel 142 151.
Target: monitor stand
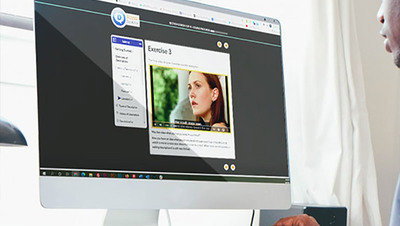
pixel 131 217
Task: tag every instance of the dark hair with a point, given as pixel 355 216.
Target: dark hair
pixel 218 106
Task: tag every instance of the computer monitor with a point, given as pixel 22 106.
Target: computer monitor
pixel 150 104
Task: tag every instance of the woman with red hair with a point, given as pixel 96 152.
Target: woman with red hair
pixel 206 99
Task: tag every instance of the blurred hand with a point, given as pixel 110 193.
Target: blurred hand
pixel 298 220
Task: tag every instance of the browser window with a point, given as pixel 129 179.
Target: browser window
pixel 148 90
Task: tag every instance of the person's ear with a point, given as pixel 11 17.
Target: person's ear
pixel 215 93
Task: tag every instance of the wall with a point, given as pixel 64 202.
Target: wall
pixel 382 81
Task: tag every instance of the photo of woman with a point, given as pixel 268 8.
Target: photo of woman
pixel 206 99
pixel 191 100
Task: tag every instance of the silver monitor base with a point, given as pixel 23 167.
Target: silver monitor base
pixel 131 218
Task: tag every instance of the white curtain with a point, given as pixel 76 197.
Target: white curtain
pixel 331 158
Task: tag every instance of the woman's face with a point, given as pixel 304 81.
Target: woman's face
pixel 200 94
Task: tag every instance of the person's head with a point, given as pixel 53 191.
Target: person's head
pixel 389 16
pixel 205 94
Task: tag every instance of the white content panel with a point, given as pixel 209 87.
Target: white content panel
pixel 187 140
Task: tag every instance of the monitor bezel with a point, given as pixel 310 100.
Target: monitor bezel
pixel 119 193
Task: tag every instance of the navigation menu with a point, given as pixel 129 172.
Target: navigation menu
pixel 129 82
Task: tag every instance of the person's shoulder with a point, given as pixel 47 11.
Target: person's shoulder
pixel 219 124
pixel 298 220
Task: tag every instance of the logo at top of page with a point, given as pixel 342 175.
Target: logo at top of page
pixel 120 19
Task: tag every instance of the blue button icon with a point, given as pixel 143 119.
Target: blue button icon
pixel 118 17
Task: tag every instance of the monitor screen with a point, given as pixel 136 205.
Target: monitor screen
pixel 163 104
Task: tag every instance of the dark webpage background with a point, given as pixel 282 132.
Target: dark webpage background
pixel 75 94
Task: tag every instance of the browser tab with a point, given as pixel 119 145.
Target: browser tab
pixel 201 14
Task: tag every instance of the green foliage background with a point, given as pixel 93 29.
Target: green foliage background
pixel 165 92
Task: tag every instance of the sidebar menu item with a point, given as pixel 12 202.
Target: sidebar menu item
pixel 129 82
